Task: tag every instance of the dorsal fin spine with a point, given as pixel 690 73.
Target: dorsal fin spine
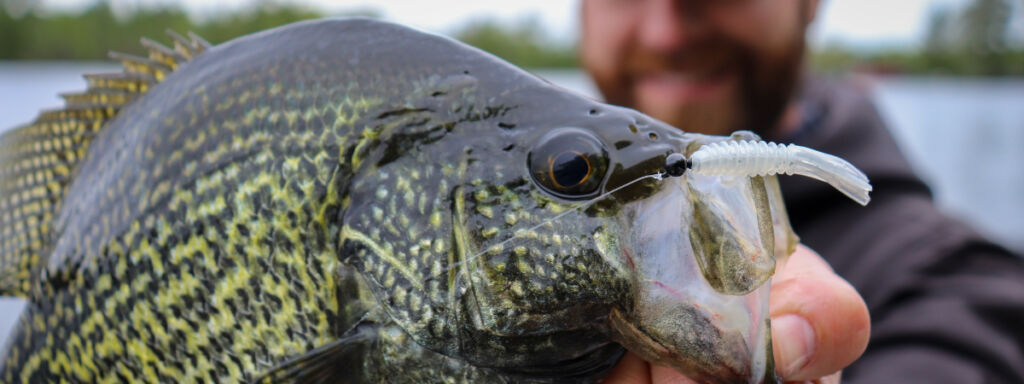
pixel 136 64
pixel 130 82
pixel 198 42
pixel 183 45
pixel 161 53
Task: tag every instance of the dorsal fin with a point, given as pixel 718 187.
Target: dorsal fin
pixel 160 53
pixel 38 161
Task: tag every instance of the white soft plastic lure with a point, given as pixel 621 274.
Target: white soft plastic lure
pixel 761 158
pixel 735 158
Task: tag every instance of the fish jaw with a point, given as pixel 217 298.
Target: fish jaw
pixel 680 316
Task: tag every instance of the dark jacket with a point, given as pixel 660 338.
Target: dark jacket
pixel 946 305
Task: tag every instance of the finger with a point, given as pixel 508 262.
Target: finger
pixel 834 378
pixel 820 324
pixel 666 375
pixel 630 370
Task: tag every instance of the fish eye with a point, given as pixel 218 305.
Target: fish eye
pixel 569 163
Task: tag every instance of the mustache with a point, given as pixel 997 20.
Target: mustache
pixel 700 59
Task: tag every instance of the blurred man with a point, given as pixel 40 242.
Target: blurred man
pixel 946 305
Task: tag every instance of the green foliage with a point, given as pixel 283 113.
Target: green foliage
pixel 973 41
pixel 522 44
pixel 946 63
pixel 89 35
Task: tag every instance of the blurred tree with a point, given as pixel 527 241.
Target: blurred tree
pixel 523 43
pixel 90 34
pixel 17 8
pixel 972 40
pixel 986 31
pixel 940 37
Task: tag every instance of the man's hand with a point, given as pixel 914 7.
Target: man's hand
pixel 819 326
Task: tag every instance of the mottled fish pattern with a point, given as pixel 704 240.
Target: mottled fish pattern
pixel 320 202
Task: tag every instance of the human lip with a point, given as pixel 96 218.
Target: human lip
pixel 682 86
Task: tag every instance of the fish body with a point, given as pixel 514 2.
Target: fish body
pixel 355 201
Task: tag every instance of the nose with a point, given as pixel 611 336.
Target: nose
pixel 669 25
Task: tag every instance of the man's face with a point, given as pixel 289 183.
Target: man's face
pixel 710 66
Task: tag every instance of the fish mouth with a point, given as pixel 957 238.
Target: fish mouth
pixel 700 255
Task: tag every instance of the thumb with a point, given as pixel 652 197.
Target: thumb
pixel 820 323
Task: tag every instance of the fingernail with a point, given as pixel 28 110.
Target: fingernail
pixel 796 342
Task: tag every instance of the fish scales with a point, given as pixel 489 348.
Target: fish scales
pixel 262 195
pixel 226 225
pixel 335 199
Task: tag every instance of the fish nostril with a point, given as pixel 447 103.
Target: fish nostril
pixel 593 112
pixel 653 136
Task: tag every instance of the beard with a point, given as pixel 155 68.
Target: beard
pixel 761 87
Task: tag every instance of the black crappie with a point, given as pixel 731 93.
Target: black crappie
pixel 354 201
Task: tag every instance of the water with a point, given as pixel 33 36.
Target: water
pixel 963 135
pixel 966 138
pixel 26 88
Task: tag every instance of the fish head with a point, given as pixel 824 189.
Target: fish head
pixel 572 240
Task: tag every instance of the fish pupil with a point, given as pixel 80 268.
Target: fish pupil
pixel 570 169
pixel 569 163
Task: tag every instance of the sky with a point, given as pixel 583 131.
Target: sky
pixel 855 23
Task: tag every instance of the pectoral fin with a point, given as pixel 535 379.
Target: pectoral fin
pixel 340 361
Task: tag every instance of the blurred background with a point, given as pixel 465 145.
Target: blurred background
pixel 947 75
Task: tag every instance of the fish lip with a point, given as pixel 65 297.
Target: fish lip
pixel 620 324
pixel 628 334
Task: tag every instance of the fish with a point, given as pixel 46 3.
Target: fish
pixel 351 200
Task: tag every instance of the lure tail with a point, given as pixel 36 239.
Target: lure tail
pixel 759 158
pixel 38 161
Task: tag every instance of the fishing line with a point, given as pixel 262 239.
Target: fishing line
pixel 734 158
pixel 723 158
pixel 520 233
pixel 517 235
